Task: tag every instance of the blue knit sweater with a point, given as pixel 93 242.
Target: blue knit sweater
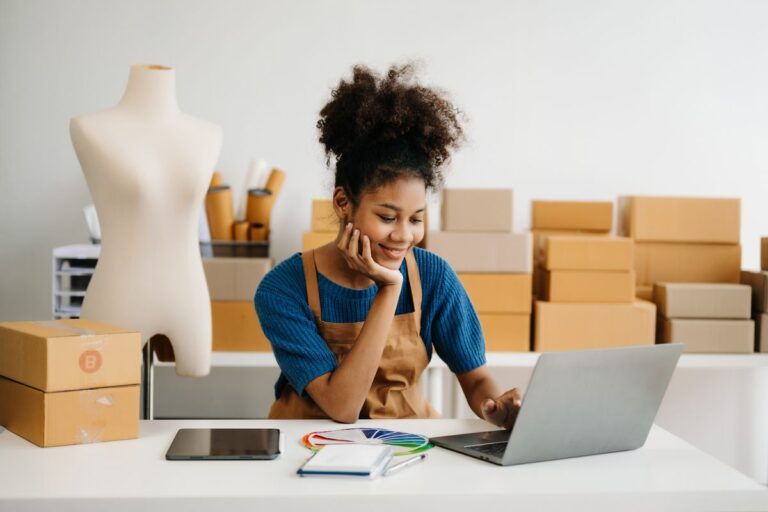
pixel 448 319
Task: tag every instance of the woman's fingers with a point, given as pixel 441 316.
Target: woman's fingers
pixel 503 410
pixel 354 244
pixel 367 257
pixel 344 239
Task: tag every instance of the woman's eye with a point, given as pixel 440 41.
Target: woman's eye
pixel 417 221
pixel 386 219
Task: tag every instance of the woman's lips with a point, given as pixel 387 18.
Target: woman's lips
pixel 392 252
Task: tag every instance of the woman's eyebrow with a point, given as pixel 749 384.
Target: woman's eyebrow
pixel 397 208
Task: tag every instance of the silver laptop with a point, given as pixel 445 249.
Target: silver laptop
pixel 580 403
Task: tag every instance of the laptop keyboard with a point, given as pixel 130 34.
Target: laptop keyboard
pixel 493 449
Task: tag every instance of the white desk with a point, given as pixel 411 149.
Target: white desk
pixel 666 474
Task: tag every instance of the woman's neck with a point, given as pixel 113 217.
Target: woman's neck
pixel 151 90
pixel 332 265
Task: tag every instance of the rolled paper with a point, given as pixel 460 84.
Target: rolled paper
pixel 258 232
pixel 218 209
pixel 275 182
pixel 259 206
pixel 240 230
pixel 215 179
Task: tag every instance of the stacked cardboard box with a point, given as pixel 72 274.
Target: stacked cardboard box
pixel 493 263
pixel 758 281
pixel 325 225
pixel 706 317
pixel 682 239
pixel 586 218
pixel 232 283
pixel 69 381
pixel 589 288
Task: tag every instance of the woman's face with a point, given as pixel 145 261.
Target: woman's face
pixel 393 218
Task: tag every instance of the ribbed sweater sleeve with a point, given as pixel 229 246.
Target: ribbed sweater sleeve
pixel 289 325
pixel 449 321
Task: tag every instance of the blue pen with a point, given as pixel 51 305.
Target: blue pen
pixel 405 463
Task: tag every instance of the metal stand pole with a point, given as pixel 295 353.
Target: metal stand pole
pixel 146 412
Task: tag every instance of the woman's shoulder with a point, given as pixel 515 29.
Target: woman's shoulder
pixel 286 279
pixel 433 269
pixel 429 263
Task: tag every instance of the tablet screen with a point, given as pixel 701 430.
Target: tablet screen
pixel 225 443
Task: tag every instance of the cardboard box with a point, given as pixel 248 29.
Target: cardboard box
pixel 758 281
pixel 313 240
pixel 234 278
pixel 709 336
pixel 69 417
pixel 484 252
pixel 687 263
pixel 703 300
pixel 465 209
pixel 584 326
pixel 644 292
pixel 58 355
pixel 577 215
pixel 506 332
pixel 540 236
pixel 324 219
pixel 680 219
pixel 236 327
pixel 588 253
pixel 498 293
pixel 590 286
pixel 761 333
pixel 764 253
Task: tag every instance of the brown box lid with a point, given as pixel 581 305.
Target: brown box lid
pixel 498 293
pixel 709 336
pixel 590 286
pixel 560 326
pixel 680 219
pixel 57 355
pixel 574 252
pixel 484 252
pixel 703 300
pixel 687 263
pixel 576 215
pixel 475 209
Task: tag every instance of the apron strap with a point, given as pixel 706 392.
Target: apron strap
pixel 415 281
pixel 310 275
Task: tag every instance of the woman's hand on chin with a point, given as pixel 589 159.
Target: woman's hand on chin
pixel 360 260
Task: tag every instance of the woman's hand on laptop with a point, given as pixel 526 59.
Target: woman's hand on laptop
pixel 502 411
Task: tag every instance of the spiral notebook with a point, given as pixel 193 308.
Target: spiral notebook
pixel 349 460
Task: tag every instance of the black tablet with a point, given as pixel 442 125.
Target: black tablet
pixel 225 444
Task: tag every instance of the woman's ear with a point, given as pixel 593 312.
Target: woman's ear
pixel 342 205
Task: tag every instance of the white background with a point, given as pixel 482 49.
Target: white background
pixel 565 99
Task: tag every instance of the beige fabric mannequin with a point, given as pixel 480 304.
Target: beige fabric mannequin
pixel 148 165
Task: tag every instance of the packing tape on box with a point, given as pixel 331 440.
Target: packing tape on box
pixel 92 406
pixel 91 343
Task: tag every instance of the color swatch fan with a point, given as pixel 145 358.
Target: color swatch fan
pixel 403 442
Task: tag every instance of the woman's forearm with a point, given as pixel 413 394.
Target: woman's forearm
pixel 478 385
pixel 342 394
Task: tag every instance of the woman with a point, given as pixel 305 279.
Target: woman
pixel 352 323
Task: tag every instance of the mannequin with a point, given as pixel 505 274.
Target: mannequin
pixel 148 165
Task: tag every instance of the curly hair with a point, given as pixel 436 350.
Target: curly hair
pixel 376 130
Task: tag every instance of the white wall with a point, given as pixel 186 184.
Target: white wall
pixel 586 99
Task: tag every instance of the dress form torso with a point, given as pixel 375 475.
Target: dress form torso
pixel 148 166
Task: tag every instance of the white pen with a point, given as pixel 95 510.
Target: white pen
pixel 405 463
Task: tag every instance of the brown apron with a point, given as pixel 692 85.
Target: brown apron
pixel 395 391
